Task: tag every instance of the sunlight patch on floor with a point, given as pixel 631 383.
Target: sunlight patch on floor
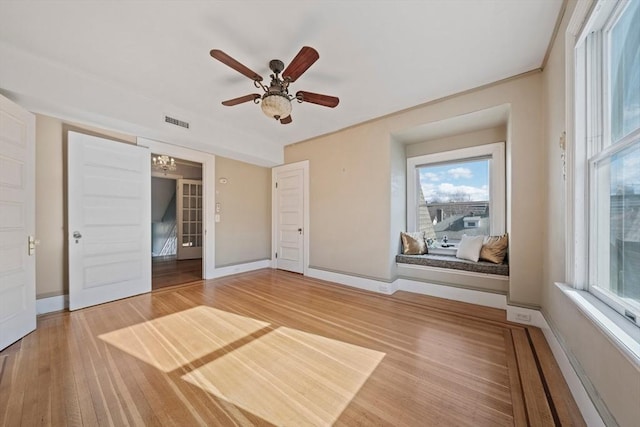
pixel 289 377
pixel 173 341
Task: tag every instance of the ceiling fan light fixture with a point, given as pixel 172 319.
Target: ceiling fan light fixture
pixel 276 105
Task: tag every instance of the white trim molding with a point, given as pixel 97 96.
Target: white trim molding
pixel 52 304
pixel 304 165
pixel 497 180
pixel 364 283
pixel 240 268
pixel 208 162
pixel 623 334
pixel 472 296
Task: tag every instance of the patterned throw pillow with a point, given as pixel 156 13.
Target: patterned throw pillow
pixel 413 243
pixel 494 248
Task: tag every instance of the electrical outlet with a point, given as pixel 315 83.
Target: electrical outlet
pixel 523 317
pixel 383 288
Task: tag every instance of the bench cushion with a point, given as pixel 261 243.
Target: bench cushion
pixel 448 261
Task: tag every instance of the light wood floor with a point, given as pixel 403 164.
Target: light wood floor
pixel 275 348
pixel 168 271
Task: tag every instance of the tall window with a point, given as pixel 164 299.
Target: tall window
pixel 611 71
pixel 457 192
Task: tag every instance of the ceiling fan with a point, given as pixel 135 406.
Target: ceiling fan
pixel 276 100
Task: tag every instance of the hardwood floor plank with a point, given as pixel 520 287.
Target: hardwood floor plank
pixel 565 406
pixel 169 271
pixel 538 410
pixel 517 398
pixel 274 348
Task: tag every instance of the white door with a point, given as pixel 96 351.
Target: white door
pixel 289 217
pixel 17 223
pixel 109 220
pixel 189 206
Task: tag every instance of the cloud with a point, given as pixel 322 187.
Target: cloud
pixel 430 176
pixel 458 173
pixel 446 192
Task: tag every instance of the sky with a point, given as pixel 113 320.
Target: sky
pixel 625 171
pixel 459 181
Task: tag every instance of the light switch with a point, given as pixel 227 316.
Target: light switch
pixel 218 207
pixel 217 217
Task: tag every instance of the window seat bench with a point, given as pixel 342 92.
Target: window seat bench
pixel 451 262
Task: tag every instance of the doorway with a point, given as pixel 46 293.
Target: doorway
pixel 176 221
pixel 290 216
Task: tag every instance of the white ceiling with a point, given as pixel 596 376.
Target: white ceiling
pixel 123 65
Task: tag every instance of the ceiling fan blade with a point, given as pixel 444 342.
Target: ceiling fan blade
pixel 317 98
pixel 229 61
pixel 286 120
pixel 240 100
pixel 301 63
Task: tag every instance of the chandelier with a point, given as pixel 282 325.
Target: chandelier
pixel 164 163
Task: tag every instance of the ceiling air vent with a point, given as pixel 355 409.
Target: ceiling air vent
pixel 176 122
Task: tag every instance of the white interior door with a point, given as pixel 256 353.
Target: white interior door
pixel 289 217
pixel 109 220
pixel 190 204
pixel 17 223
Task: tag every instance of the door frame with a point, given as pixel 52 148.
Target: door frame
pixel 208 162
pixel 304 165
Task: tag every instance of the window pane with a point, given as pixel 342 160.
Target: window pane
pixel 618 225
pixel 453 199
pixel 625 73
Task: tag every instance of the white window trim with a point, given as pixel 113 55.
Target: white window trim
pixel 497 180
pixel 618 329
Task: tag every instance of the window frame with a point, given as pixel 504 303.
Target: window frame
pixel 497 180
pixel 591 108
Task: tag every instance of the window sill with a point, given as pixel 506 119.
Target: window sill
pixel 624 334
pixel 444 251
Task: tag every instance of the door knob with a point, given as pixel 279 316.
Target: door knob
pixel 300 230
pixel 77 235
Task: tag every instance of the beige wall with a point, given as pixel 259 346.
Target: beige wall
pixel 353 176
pixel 349 206
pixel 455 142
pixel 244 231
pixel 50 221
pixel 612 379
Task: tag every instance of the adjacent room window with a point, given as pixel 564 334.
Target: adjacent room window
pixel 610 70
pixel 457 192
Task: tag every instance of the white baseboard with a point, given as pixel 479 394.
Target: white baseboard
pixel 471 296
pixel 51 304
pixel 486 299
pixel 239 268
pixel 367 284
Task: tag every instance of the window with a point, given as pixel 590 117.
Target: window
pixel 610 70
pixel 457 192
